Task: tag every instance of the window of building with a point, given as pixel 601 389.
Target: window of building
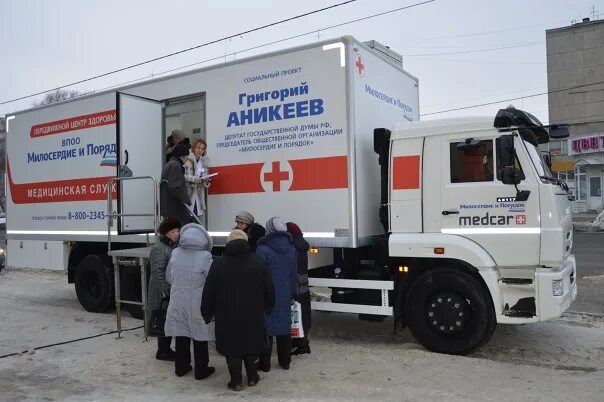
pixel 471 164
pixel 581 182
pixel 595 186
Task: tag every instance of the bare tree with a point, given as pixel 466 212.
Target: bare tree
pixel 57 96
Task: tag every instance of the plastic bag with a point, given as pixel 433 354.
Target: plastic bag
pixel 296 330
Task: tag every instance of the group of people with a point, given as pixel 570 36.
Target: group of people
pixel 241 300
pixel 184 178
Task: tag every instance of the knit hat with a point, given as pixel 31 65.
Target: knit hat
pixel 237 235
pixel 294 230
pixel 168 224
pixel 177 135
pixel 244 217
pixel 180 150
pixel 276 224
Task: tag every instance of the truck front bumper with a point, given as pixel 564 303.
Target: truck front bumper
pixel 556 289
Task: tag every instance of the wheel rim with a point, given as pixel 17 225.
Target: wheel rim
pixel 449 312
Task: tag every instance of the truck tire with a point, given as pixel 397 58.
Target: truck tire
pixel 94 284
pixel 448 311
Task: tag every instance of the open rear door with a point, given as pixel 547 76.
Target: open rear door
pixel 140 145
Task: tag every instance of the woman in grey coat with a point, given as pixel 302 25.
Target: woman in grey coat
pixel 159 288
pixel 187 272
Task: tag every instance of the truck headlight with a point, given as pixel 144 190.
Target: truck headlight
pixel 557 287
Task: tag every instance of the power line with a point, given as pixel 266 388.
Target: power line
pixel 511 61
pixel 482 97
pixel 475 51
pixel 263 45
pixel 185 50
pixel 490 32
pixel 512 99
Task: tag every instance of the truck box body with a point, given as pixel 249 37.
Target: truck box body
pixel 289 134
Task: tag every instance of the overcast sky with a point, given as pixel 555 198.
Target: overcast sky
pixel 444 43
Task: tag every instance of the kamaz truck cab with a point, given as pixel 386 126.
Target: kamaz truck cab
pixel 480 231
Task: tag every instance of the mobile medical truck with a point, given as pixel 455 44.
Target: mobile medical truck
pixel 458 227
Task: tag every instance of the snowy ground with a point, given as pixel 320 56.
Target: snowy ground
pixel 352 360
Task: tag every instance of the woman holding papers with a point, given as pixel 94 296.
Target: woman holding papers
pixel 196 176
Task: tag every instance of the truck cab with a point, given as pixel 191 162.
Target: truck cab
pixel 479 227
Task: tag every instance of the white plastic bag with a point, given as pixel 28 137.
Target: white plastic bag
pixel 297 331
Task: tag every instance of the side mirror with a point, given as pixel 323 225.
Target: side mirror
pixel 510 175
pixel 559 132
pixel 505 151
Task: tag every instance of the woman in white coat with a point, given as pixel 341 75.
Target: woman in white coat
pixel 196 167
pixel 187 272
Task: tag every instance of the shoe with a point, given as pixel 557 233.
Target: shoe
pixel 284 366
pixel 168 356
pixel 260 367
pixel 205 373
pixel 253 383
pixel 184 372
pixel 234 387
pixel 301 350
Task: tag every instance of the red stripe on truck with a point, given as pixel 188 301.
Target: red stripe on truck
pixel 73 123
pixel 319 173
pixel 405 172
pixel 272 176
pixel 236 179
pixel 86 189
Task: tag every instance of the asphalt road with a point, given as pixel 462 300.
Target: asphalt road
pixel 589 252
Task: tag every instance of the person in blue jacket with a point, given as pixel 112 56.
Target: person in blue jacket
pixel 278 251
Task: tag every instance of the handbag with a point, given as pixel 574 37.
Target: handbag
pixel 158 319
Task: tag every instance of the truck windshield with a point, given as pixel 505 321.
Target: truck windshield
pixel 543 170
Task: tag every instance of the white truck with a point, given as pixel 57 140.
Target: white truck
pixel 458 227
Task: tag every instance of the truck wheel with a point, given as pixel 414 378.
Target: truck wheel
pixel 131 290
pixel 448 311
pixel 94 284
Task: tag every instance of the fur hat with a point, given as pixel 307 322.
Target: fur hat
pixel 294 230
pixel 168 224
pixel 276 224
pixel 244 217
pixel 180 150
pixel 237 235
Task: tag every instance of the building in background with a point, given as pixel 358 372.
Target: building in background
pixel 575 59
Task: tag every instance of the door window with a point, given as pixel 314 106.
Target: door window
pixel 471 163
pixel 595 187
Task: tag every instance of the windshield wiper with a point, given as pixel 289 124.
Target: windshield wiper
pixel 554 180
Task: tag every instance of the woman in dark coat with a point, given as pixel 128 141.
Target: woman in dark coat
pixel 159 288
pixel 301 344
pixel 277 250
pixel 173 192
pixel 238 292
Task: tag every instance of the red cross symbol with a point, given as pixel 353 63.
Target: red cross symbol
pixel 359 63
pixel 520 219
pixel 276 176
